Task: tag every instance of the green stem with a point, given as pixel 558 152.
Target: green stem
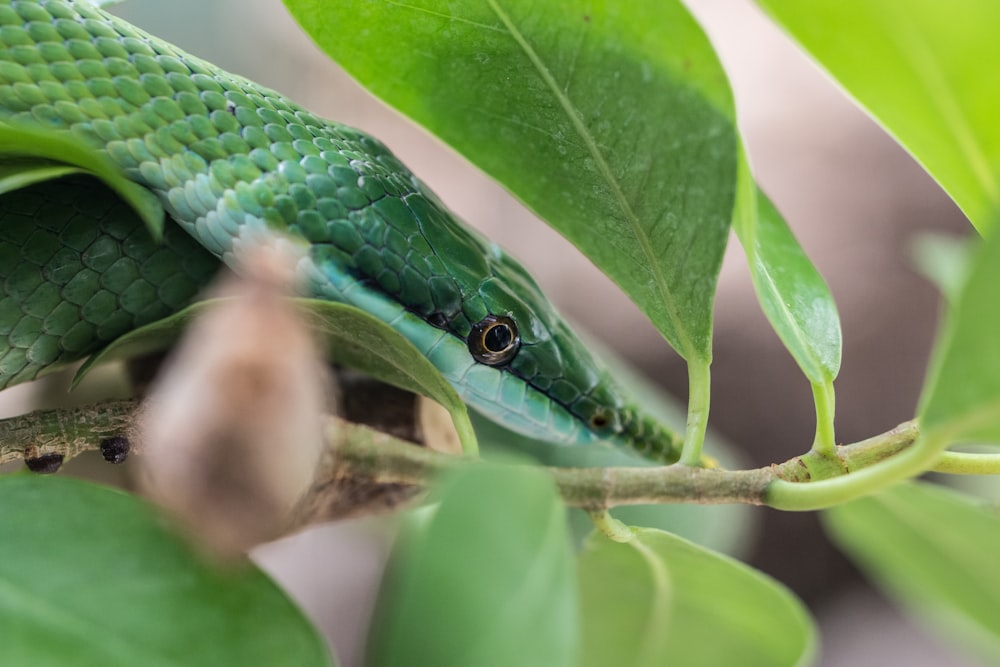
pixel 466 434
pixel 825 442
pixel 798 496
pixel 699 397
pixel 965 463
pixel 612 527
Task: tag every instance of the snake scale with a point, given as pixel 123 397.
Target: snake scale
pixel 231 160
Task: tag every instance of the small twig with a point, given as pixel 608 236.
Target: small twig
pixel 358 459
pixel 68 432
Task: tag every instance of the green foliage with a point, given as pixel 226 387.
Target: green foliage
pixel 659 600
pixel 961 402
pixel 26 151
pixel 614 122
pixel 791 291
pixel 933 548
pixel 943 260
pixel 632 145
pixel 487 579
pixel 91 576
pixel 22 173
pixel 920 68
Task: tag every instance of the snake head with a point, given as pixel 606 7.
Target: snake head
pixel 569 396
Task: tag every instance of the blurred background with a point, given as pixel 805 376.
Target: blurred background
pixel 855 200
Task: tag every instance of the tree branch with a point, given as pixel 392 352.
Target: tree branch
pixel 361 464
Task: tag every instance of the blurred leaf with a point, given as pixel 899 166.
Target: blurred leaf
pixel 922 69
pixel 792 293
pixel 660 600
pixel 21 142
pixel 961 400
pixel 17 174
pixel 935 550
pixel 90 576
pixel 943 260
pixel 353 337
pixel 613 121
pixel 487 581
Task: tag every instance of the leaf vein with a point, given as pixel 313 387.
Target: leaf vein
pixel 651 262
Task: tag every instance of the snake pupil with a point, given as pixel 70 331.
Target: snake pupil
pixel 497 338
pixel 494 340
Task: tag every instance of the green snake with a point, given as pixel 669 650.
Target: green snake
pixel 230 160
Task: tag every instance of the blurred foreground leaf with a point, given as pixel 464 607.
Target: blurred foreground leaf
pixel 934 550
pixel 90 576
pixel 923 69
pixel 961 400
pixel 488 580
pixel 660 600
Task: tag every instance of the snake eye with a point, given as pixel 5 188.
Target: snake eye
pixel 494 340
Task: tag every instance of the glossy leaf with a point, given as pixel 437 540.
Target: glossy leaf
pixel 613 121
pixel 22 142
pixel 660 600
pixel 18 174
pixel 90 576
pixel 792 293
pixel 353 338
pixel 488 580
pixel 922 69
pixel 935 551
pixel 961 400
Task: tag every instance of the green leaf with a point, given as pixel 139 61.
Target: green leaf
pixel 488 580
pixel 353 338
pixel 17 174
pixel 935 551
pixel 22 142
pixel 921 69
pixel 660 600
pixel 961 400
pixel 943 260
pixel 791 291
pixel 90 576
pixel 611 120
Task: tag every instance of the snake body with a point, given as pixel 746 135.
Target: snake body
pixel 230 161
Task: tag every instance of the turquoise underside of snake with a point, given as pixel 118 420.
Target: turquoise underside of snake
pixel 230 161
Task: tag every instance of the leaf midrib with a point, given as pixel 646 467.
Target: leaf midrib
pixel 666 298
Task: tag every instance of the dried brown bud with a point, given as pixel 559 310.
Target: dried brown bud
pixel 231 433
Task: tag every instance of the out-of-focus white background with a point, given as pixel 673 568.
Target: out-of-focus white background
pixel 854 199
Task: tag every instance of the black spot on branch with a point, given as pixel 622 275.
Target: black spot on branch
pixel 115 449
pixel 45 464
